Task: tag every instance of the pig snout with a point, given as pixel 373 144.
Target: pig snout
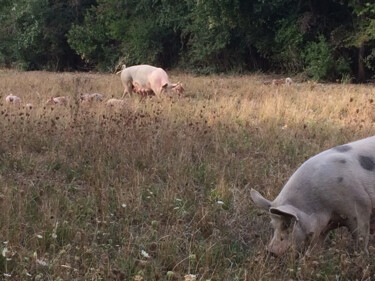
pixel 278 246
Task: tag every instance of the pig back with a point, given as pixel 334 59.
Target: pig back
pixel 333 179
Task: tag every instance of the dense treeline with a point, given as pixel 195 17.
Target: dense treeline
pixel 325 39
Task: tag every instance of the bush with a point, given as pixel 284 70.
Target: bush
pixel 343 70
pixel 90 41
pixel 318 60
pixel 287 47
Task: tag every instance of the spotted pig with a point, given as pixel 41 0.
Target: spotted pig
pixel 332 189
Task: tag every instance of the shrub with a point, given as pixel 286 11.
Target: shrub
pixel 343 69
pixel 287 47
pixel 318 59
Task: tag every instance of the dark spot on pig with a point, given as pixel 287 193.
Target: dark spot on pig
pixel 366 162
pixel 342 161
pixel 342 148
pixel 340 179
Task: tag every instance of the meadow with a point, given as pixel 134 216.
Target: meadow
pixel 160 188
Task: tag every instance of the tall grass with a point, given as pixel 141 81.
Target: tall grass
pixel 159 189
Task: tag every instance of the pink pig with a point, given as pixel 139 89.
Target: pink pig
pixel 12 99
pixel 147 79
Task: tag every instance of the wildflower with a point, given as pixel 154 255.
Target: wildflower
pixel 123 205
pixel 178 199
pixel 41 262
pixel 220 202
pixel 170 275
pixel 145 254
pixel 192 257
pixel 154 224
pixel 39 236
pixel 54 235
pixel 5 252
pixel 7 275
pixel 190 277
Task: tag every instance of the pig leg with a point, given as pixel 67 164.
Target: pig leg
pixel 128 89
pixel 359 220
pixel 321 230
pixel 363 233
pixel 360 228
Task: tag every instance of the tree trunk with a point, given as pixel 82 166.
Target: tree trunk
pixel 361 75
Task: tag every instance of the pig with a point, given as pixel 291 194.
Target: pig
pixel 331 189
pixel 90 98
pixel 276 82
pixel 57 101
pixel 115 102
pixel 14 100
pixel 147 77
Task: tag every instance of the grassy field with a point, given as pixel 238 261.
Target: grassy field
pixel 159 189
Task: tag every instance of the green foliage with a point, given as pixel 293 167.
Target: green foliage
pixel 318 59
pixel 90 41
pixel 7 43
pixel 342 68
pixel 144 42
pixel 211 28
pixel 203 36
pixel 121 32
pixel 288 45
pixel 30 18
pixel 33 33
pixel 370 60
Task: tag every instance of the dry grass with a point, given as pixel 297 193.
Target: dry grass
pixel 85 191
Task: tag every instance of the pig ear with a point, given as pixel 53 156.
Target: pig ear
pixel 259 200
pixel 305 221
pixel 286 210
pixel 165 86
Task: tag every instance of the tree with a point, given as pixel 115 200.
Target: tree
pixel 363 32
pixel 325 39
pixel 35 33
